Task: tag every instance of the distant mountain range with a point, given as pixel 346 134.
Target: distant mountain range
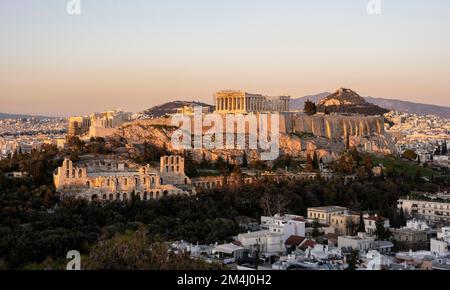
pixel 21 116
pixel 390 104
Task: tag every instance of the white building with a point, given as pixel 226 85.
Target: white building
pixel 268 243
pixel 370 223
pixel 288 225
pixel 417 225
pixel 441 245
pixel 229 253
pixel 428 210
pixel 361 242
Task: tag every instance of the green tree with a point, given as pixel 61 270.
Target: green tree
pixel 315 161
pixel 310 108
pixel 244 160
pixel 410 155
pixel 316 227
pixel 133 251
pixel 402 218
pixel 352 261
pixel 309 163
pixel 381 232
pixel 361 225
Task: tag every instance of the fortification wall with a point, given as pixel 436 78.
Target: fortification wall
pixel 335 126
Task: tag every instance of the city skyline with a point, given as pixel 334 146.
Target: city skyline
pixel 141 54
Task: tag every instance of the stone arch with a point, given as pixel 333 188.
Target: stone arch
pixel 118 196
pixel 94 197
pixel 151 195
pixel 145 196
pixel 157 195
pixel 125 196
pixel 165 193
pixel 104 196
pixel 88 184
pixel 111 196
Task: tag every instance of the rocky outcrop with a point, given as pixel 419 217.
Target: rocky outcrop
pixel 346 101
pixel 327 135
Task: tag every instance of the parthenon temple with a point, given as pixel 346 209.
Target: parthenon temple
pixel 242 102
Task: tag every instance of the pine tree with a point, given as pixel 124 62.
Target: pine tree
pixel 315 161
pixel 310 108
pixel 244 160
pixel 402 218
pixel 444 150
pixel 309 163
pixel 361 226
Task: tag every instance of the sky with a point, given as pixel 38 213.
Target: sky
pixel 134 54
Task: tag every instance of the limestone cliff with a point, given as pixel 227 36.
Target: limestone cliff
pixel 327 135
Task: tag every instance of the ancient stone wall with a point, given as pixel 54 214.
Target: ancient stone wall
pixel 336 126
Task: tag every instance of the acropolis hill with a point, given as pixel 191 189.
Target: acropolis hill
pixel 300 134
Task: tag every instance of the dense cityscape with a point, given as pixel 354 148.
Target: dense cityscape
pixel 224 144
pixel 96 162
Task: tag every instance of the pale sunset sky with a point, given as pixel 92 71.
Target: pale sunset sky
pixel 134 54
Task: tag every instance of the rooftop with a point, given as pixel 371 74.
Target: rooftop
pixel 328 208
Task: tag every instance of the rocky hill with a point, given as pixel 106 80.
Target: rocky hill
pixel 346 101
pixel 171 108
pixel 390 104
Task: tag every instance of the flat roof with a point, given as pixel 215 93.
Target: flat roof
pixel 328 208
pixel 228 248
pixel 259 234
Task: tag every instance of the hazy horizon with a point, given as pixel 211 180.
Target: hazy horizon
pixel 137 54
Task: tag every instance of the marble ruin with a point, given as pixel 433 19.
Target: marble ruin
pixel 243 102
pixel 109 180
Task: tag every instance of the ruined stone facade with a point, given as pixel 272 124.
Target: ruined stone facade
pixel 242 102
pixel 118 180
